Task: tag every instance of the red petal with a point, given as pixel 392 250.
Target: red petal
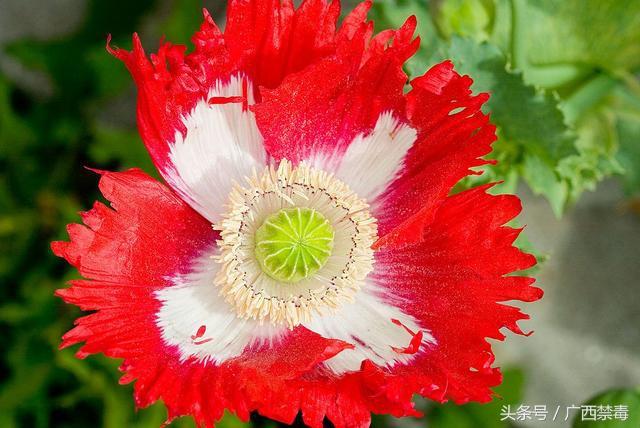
pixel 147 234
pixel 453 134
pixel 268 39
pixel 455 278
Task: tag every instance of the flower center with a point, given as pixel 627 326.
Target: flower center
pixel 293 244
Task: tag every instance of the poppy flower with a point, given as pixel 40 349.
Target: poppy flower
pixel 306 254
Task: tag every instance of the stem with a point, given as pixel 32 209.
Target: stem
pixel 586 97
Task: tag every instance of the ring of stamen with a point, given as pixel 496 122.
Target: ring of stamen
pixel 255 290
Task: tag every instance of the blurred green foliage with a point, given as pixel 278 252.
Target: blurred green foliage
pixel 44 142
pixel 568 116
pixel 474 415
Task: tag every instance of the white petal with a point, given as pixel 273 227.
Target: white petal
pixel 367 324
pixel 371 162
pixel 222 145
pixel 194 302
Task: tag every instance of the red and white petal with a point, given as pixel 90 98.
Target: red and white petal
pixel 350 90
pixel 198 321
pixel 454 280
pixel 453 135
pixel 146 236
pixel 371 162
pixel 379 330
pixel 194 118
pixel 221 146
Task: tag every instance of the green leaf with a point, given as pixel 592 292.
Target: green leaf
pixel 533 136
pixel 623 397
pixel 469 18
pixel 526 117
pixel 627 108
pixel 597 144
pixel 606 114
pixel 565 36
pixel 629 156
